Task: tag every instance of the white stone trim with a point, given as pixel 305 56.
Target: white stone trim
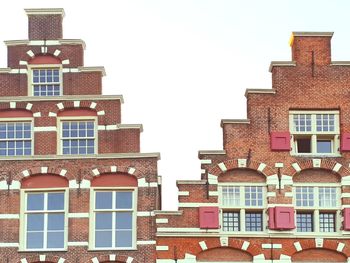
pixel 340 246
pixel 73 184
pixel 145 213
pixel 9 244
pixel 9 216
pixel 96 172
pixel 95 260
pixel 242 163
pixel 297 246
pixel 30 53
pixel 261 167
pixel 224 241
pixel 203 171
pixel 78 243
pixel 13 105
pixel 42 257
pixel 60 106
pixel 25 173
pixel 37 114
pixel 52 114
pixel 24 260
pixel 129 260
pixel 319 242
pixel 76 103
pixel 70 70
pixel 279 165
pixel 14 185
pixel 213 193
pixel 113 169
pixel 258 258
pixel 206 161
pixel 23 62
pixel 183 193
pixel 101 113
pixel 345 180
pixel 271 194
pixel 44 49
pixel 189 256
pixel 203 245
pixel 345 195
pixel 63 172
pixel 45 128
pixel 288 194
pixel 65 62
pixel 296 167
pixel 337 167
pixel 44 169
pixel 316 163
pixel 166 261
pixel 93 105
pixel 131 170
pixel 185 230
pixel 78 215
pixel 162 220
pixel 222 167
pixel 272 179
pixel 196 204
pixel 57 52
pixel 212 179
pixel 29 106
pixel 112 257
pixel 286 180
pixel 61 260
pixel 269 246
pixel 245 245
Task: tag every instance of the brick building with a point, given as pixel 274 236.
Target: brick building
pixel 279 191
pixel 73 183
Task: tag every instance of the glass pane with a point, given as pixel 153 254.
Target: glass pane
pixel 123 238
pixel 55 240
pixel 103 238
pixel 324 146
pixel 103 221
pixel 123 220
pixel 124 200
pixel 35 222
pixel 55 201
pixel 35 240
pixel 35 202
pixel 55 221
pixel 103 200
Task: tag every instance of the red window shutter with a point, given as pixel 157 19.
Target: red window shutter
pixel 280 141
pixel 209 217
pixel 284 217
pixel 345 142
pixel 346 222
pixel 272 224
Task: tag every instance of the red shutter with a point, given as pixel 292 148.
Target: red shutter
pixel 346 222
pixel 280 141
pixel 345 142
pixel 272 218
pixel 209 217
pixel 284 217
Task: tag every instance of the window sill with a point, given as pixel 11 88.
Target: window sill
pixel 41 250
pixel 313 155
pixel 110 249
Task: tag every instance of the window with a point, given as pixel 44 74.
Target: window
pixel 315 133
pixel 78 137
pixel 15 138
pixel 46 81
pixel 317 207
pixel 242 208
pixel 45 220
pixel 114 219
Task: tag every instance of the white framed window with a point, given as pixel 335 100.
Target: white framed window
pixel 16 137
pixel 243 207
pixel 317 208
pixel 113 219
pixel 44 220
pixel 45 80
pixel 314 132
pixel 78 136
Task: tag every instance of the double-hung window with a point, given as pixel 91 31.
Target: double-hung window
pixel 317 208
pixel 114 219
pixel 16 138
pixel 45 220
pixel 314 132
pixel 46 81
pixel 78 136
pixel 242 207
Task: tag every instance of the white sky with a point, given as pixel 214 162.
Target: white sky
pixel 184 65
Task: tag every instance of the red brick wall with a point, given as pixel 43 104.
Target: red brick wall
pixel 45 27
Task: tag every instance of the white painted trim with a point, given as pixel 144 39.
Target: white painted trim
pixel 61 260
pixel 65 62
pixel 131 170
pixel 12 105
pixel 269 246
pixel 42 257
pixel 271 194
pixel 345 180
pixel 345 195
pixel 203 245
pixel 44 169
pixel 162 220
pixel 60 106
pixel 101 113
pixel 222 167
pixel 78 215
pixel 112 257
pixel 279 165
pixel 272 179
pixel 206 161
pixel 340 246
pixel 25 173
pixel 9 244
pixel 37 114
pixel 245 245
pixel 76 103
pixel 145 213
pixel 95 260
pixel 57 52
pixel 63 172
pixel 93 105
pixel 83 185
pixel 242 163
pixel 29 106
pixel 224 241
pixel 14 185
pixel 129 260
pixel 183 193
pixel 288 194
pixel 213 193
pixel 30 53
pixel 114 169
pixel 196 204
pixel 261 167
pixel 203 171
pixel 296 167
pixel 52 114
pixel 146 242
pixel 45 128
pixel 337 167
pixel 316 163
pixel 78 243
pixel 9 216
pixel 186 230
pixel 319 242
pixel 96 172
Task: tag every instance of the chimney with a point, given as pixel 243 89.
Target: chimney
pixel 311 48
pixel 45 23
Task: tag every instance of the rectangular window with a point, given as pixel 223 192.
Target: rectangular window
pixel 113 218
pixel 253 221
pixel 327 222
pixel 231 195
pixel 46 82
pixel 231 221
pixel 78 137
pixel 304 222
pixel 304 196
pixel 45 220
pixel 327 196
pixel 253 196
pixel 315 133
pixel 15 138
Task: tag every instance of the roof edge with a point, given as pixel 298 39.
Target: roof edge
pixel 45 11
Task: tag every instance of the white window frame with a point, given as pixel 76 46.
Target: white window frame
pixel 43 66
pixel 314 135
pixel 60 120
pixel 23 221
pixel 316 209
pixel 20 119
pixel 93 190
pixel 242 208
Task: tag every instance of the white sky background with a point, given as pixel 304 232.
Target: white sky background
pixel 184 65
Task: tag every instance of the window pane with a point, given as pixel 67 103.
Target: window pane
pixel 123 238
pixel 55 221
pixel 55 201
pixel 35 202
pixel 253 195
pixel 103 239
pixel 231 196
pixel 103 221
pixel 304 145
pixel 324 146
pixel 304 222
pixel 103 200
pixel 327 222
pixel 55 239
pixel 327 196
pixel 35 240
pixel 123 220
pixel 231 221
pixel 124 200
pixel 253 221
pixel 304 196
pixel 35 222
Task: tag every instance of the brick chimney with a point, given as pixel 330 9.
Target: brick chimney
pixel 311 48
pixel 45 24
